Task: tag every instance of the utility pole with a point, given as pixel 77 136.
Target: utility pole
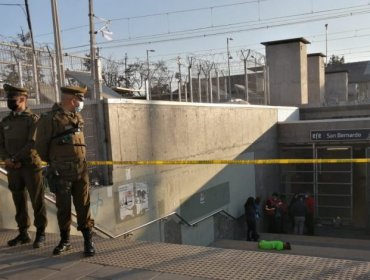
pixel 218 85
pixel 245 59
pixel 148 97
pixel 126 80
pixel 255 72
pixel 57 47
pixel 92 49
pixel 34 61
pixel 326 44
pixel 199 83
pixel 228 62
pixel 190 79
pixel 179 64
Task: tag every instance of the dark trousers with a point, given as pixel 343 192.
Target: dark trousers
pixel 310 225
pixel 252 230
pixel 76 186
pixel 28 178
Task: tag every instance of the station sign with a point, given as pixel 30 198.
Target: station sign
pixel 340 135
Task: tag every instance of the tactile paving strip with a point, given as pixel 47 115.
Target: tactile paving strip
pixel 203 262
pixel 224 263
pixel 46 251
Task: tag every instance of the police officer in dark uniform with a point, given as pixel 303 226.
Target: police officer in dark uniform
pixel 60 142
pixel 17 140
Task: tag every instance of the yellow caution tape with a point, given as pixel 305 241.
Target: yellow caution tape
pixel 224 161
pixel 232 161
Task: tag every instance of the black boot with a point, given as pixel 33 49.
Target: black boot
pixel 89 247
pixel 64 244
pixel 40 238
pixel 22 238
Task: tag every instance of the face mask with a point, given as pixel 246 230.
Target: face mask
pixel 79 107
pixel 12 104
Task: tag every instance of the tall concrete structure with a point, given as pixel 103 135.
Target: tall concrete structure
pixel 316 78
pixel 287 64
pixel 336 87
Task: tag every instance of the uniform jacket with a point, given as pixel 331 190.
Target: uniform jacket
pixel 59 136
pixel 17 137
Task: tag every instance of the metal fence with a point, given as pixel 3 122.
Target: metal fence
pixel 237 76
pixel 16 68
pixel 221 77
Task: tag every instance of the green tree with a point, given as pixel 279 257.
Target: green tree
pixel 335 60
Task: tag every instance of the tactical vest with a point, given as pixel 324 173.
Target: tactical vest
pixel 68 141
pixel 16 131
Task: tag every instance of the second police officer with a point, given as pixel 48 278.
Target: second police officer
pixel 60 142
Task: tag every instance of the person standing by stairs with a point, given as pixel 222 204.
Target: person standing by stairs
pixel 250 216
pixel 17 140
pixel 61 143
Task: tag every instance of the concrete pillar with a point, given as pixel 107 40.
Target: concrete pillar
pixel 316 78
pixel 287 63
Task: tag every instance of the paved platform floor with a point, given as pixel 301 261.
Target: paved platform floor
pixel 128 259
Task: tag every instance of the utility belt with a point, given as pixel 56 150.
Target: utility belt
pixel 58 170
pixel 32 161
pixel 68 165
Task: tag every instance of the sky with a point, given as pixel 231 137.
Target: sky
pixel 196 27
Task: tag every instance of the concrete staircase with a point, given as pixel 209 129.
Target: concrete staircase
pixel 142 260
pixel 318 246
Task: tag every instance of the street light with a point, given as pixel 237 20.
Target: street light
pixel 147 61
pixel 228 62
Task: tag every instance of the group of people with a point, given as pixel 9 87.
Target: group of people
pixel 297 217
pixel 26 141
pixel 253 216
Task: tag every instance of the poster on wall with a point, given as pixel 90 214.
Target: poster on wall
pixel 126 200
pixel 141 198
pixel 133 200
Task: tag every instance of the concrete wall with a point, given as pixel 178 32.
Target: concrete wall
pixel 287 63
pixel 316 79
pixel 336 87
pixel 154 130
pixel 141 130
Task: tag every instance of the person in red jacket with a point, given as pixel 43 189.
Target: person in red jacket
pixel 310 225
pixel 273 213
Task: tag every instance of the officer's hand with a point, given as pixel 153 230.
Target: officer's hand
pixel 17 165
pixel 9 163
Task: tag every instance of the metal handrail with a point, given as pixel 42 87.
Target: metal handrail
pixel 212 214
pixel 178 216
pixel 126 233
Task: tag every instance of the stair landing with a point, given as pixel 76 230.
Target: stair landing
pixel 128 259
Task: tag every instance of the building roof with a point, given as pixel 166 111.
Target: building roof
pixel 357 71
pixel 336 71
pixel 316 54
pixel 287 41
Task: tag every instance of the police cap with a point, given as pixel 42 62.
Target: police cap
pixel 75 90
pixel 14 91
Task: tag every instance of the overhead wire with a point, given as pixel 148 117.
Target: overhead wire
pixel 224 29
pixel 217 30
